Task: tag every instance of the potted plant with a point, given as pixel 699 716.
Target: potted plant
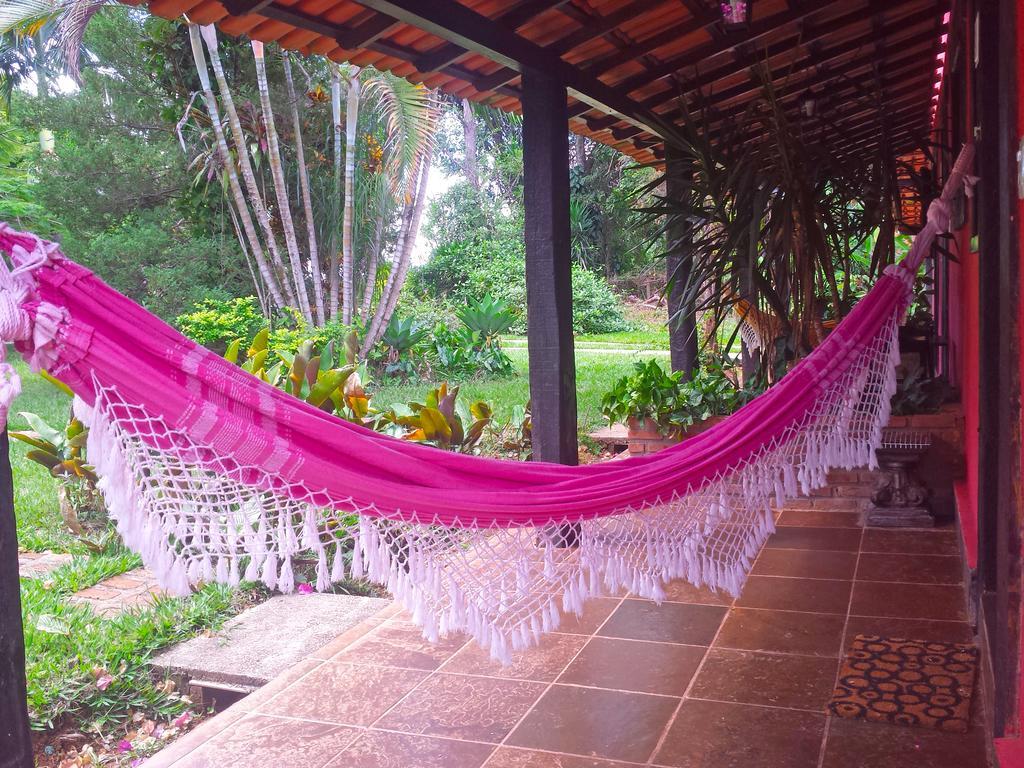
pixel 659 408
pixel 645 401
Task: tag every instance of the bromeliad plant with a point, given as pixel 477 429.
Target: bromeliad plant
pixel 442 420
pixel 400 339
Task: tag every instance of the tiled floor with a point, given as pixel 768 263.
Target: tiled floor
pixel 696 682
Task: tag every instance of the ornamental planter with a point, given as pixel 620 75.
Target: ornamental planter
pixel 646 436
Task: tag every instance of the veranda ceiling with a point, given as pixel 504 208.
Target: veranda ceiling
pixel 626 62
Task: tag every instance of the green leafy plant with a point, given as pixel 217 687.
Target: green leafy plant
pixel 62 452
pixel 917 393
pixel 488 317
pixel 400 339
pixel 442 420
pixel 647 394
pixel 308 375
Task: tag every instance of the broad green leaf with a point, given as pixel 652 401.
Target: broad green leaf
pixel 231 355
pixel 57 383
pixel 259 342
pixel 45 431
pixel 33 439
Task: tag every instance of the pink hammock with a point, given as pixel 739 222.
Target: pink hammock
pixel 212 474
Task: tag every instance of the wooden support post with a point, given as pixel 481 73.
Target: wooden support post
pixel 682 324
pixel 15 738
pixel 549 268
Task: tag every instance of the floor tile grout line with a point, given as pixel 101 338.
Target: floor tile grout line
pixel 689 687
pixel 758 705
pixel 842 645
pixel 504 740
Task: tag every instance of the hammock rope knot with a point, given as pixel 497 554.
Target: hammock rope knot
pixel 32 325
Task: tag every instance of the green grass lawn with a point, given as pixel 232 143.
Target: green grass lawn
pixel 595 374
pixel 35 491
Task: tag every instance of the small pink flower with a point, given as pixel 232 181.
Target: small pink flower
pixel 305 589
pixel 103 681
pixel 182 720
pixel 124 746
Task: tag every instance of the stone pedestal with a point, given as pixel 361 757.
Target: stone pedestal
pixel 900 501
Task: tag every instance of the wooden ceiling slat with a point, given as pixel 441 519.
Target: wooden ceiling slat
pixel 810 34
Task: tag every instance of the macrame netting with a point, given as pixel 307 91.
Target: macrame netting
pixel 212 475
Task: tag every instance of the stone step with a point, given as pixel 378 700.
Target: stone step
pixel 263 641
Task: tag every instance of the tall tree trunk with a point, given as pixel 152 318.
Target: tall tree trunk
pixel 242 151
pixel 469 165
pixel 261 293
pixel 389 300
pixel 307 199
pixel 247 226
pixel 375 246
pixel 336 201
pixel 347 256
pixel 280 184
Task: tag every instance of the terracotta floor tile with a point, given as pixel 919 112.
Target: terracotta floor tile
pixel 383 749
pixel 344 693
pixel 463 707
pixel 262 695
pixel 785 594
pixel 402 645
pixel 831 539
pixel 258 741
pixel 911 629
pixel 860 744
pixel 709 733
pixel 594 722
pixel 667 623
pixel 635 665
pixel 814 634
pixel 808 564
pixel 820 518
pixel 349 636
pixel 911 542
pixel 510 757
pixel 915 569
pixel 594 613
pixel 746 677
pixel 908 601
pixel 543 663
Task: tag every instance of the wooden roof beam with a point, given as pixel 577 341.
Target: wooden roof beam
pixel 599 26
pixel 785 71
pixel 816 33
pixel 512 18
pixel 463 26
pixel 756 31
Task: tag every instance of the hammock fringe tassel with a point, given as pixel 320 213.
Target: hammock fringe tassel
pixel 505 586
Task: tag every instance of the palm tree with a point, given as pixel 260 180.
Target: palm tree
pixel 280 185
pixel 347 258
pixel 251 242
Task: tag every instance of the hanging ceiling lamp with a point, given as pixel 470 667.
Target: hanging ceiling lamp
pixel 736 13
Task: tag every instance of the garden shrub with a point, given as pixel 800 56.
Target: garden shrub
pixel 464 271
pixel 215 323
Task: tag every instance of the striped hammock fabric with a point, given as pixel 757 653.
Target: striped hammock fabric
pixel 211 474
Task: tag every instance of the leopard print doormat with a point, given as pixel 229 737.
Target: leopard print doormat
pixel 907 682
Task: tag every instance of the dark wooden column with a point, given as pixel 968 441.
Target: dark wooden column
pixel 16 741
pixel 682 323
pixel 549 267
